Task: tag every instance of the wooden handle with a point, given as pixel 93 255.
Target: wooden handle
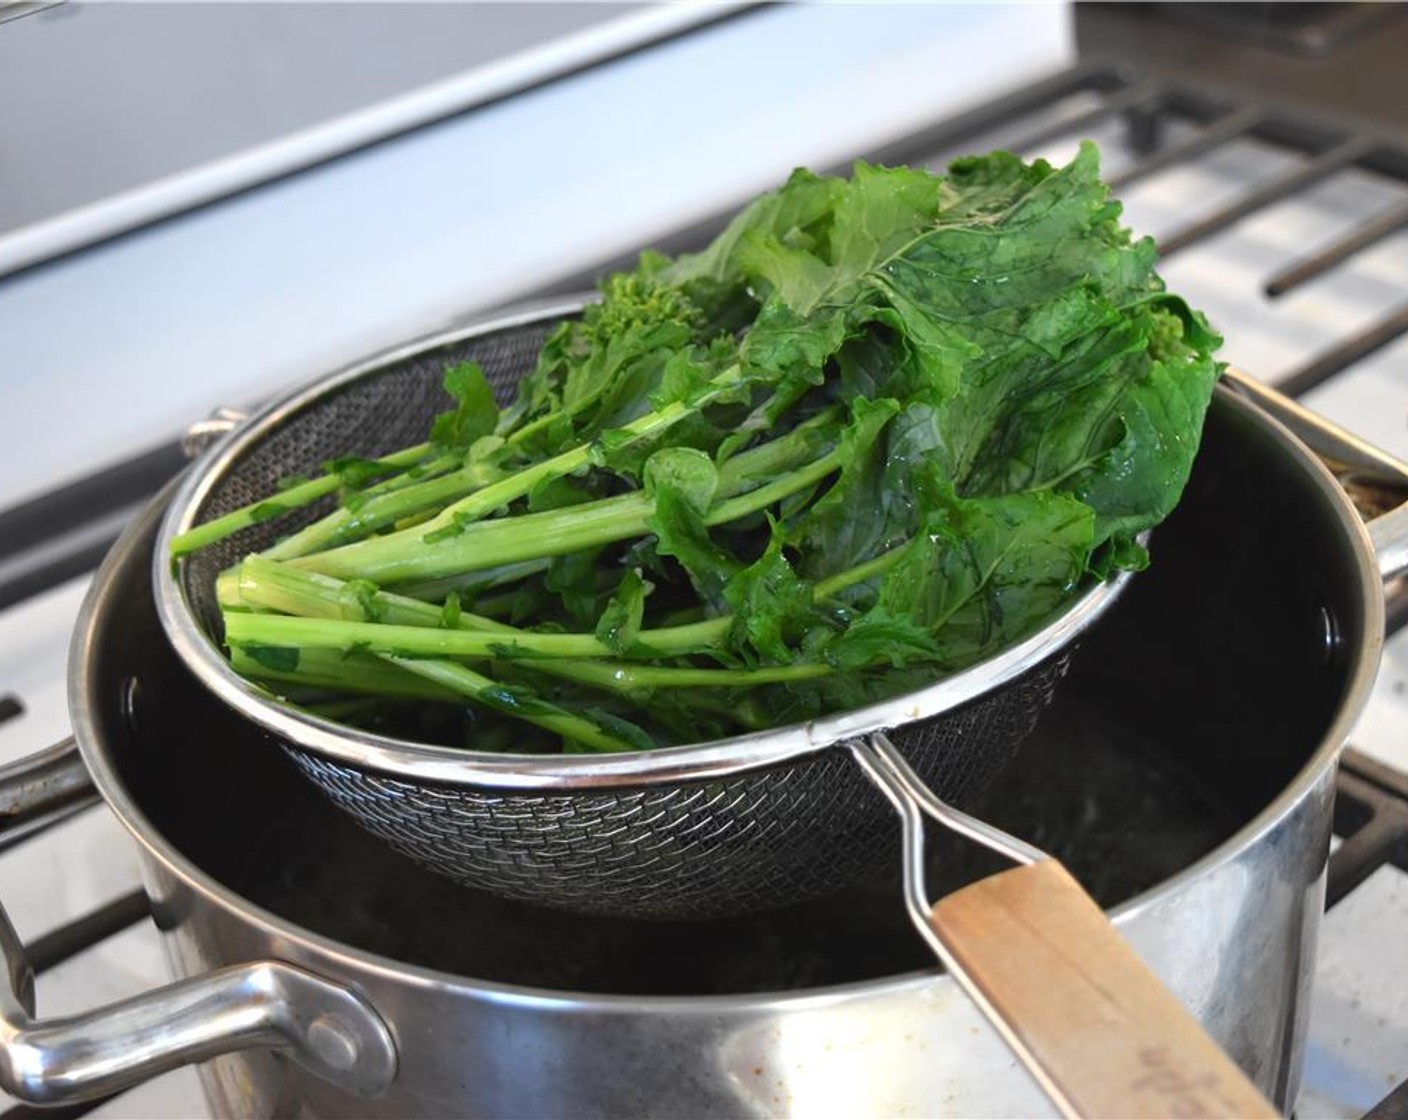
pixel 1110 1038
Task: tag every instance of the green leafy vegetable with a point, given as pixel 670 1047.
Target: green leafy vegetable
pixel 880 428
pixel 475 413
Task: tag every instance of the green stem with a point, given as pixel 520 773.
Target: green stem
pixel 624 676
pixel 486 544
pixel 281 587
pixel 295 497
pixel 337 671
pixel 408 645
pixel 732 509
pixel 530 536
pixel 867 569
pixel 292 632
pixel 419 473
pixel 530 709
pixel 518 435
pixel 227 589
pixel 428 680
pixel 342 526
pixel 499 494
pixel 473 583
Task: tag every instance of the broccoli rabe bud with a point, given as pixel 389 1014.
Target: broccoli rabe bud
pixel 630 301
pixel 1166 337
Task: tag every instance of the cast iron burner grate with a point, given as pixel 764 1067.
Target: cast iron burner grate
pixel 66 533
pixel 1371 813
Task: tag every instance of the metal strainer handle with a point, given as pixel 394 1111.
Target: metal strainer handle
pixel 1096 1028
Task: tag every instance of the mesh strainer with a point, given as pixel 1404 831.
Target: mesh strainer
pixel 722 827
pixel 688 832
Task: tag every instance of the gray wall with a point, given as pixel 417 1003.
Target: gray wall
pixel 99 98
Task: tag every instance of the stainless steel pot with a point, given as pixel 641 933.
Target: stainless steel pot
pixel 710 829
pixel 1252 641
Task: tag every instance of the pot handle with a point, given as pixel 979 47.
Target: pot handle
pixel 1353 459
pixel 326 1028
pixel 1081 1011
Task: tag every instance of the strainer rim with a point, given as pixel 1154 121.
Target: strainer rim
pixel 454 766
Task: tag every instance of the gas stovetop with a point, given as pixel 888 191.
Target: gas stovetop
pixel 1292 234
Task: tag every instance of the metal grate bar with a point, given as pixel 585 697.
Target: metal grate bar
pixel 1368 849
pixel 66 554
pixel 58 945
pixel 71 507
pixel 1144 95
pixel 1360 346
pixel 1214 135
pixel 952 136
pixel 22 586
pixel 1371 812
pixel 1396 607
pixel 1325 164
pixel 1376 230
pixel 17 834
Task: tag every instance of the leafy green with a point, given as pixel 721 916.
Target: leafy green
pixel 771 606
pixel 475 413
pixel 882 427
pixel 278 658
pixel 620 622
pixel 353 471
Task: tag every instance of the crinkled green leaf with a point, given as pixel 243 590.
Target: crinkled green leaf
pixel 985 572
pixel 882 637
pixel 854 519
pixel 684 471
pixel 680 532
pixel 620 621
pixel 475 413
pixel 771 605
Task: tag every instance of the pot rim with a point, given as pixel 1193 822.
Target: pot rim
pixel 1361 674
